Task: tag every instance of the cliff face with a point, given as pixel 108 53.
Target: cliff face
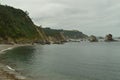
pixel 54 35
pixel 74 34
pixel 67 34
pixel 16 25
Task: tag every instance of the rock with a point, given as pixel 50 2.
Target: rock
pixel 58 42
pixel 109 37
pixel 48 42
pixel 92 38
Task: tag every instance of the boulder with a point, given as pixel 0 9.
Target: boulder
pixel 93 38
pixel 109 37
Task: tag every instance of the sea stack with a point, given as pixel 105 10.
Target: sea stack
pixel 109 37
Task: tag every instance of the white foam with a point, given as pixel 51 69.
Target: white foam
pixel 6 49
pixel 10 68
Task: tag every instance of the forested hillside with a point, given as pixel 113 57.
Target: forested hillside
pixel 17 27
pixel 70 34
pixel 15 24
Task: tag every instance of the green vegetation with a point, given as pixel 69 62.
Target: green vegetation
pixel 74 34
pixel 71 34
pixel 15 24
pixel 54 35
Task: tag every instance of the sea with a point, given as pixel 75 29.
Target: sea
pixel 69 61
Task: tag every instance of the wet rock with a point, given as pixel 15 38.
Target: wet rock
pixel 109 37
pixel 93 38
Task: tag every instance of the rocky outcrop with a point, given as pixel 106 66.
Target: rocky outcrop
pixel 92 38
pixel 109 37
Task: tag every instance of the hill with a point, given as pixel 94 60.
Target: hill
pixel 69 34
pixel 16 25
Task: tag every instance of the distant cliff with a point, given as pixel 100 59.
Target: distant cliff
pixel 54 35
pixel 74 34
pixel 68 34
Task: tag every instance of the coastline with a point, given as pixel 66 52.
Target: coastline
pixel 6 72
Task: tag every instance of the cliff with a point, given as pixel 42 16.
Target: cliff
pixel 69 34
pixel 74 34
pixel 54 36
pixel 58 35
pixel 16 25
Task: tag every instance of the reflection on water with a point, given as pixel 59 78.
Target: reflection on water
pixel 20 54
pixel 71 61
pixel 18 57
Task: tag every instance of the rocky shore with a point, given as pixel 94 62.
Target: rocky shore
pixel 6 72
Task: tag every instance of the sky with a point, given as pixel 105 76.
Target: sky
pixel 92 17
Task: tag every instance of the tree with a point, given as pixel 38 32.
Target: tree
pixel 27 13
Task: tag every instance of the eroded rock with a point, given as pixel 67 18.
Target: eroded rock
pixel 93 38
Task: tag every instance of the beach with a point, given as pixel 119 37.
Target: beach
pixel 6 72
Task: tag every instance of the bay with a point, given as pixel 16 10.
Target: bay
pixel 70 61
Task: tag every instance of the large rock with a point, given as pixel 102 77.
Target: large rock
pixel 92 38
pixel 109 37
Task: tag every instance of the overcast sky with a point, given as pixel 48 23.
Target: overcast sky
pixel 97 17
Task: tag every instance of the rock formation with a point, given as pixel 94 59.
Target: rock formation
pixel 109 37
pixel 92 38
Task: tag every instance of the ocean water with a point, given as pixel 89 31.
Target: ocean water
pixel 70 61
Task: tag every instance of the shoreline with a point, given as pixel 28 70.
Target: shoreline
pixel 6 72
